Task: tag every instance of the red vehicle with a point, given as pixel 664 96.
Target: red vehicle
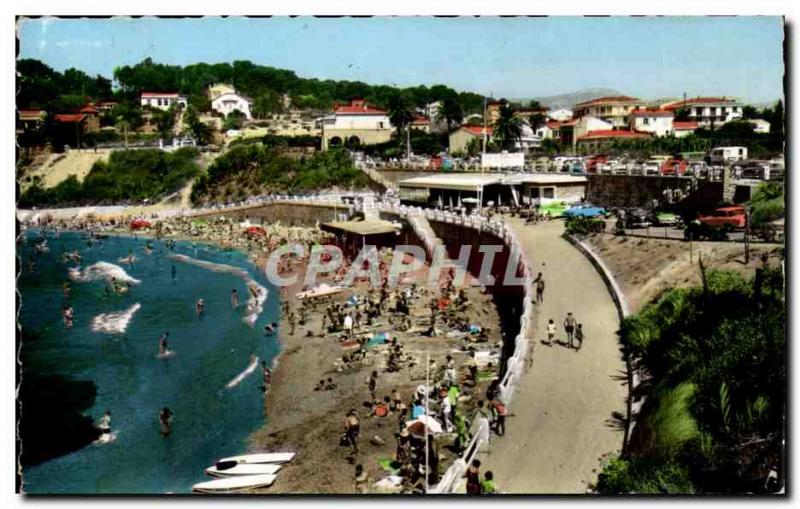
pixel 674 167
pixel 725 217
pixel 594 162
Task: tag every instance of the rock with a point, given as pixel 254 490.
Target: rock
pixel 376 440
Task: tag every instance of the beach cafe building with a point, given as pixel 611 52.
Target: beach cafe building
pixel 521 189
pixel 352 236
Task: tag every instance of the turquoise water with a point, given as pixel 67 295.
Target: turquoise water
pixel 210 421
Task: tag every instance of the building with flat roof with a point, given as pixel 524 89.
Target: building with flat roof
pixel 657 122
pixel 708 110
pixel 449 190
pixel 162 100
pixel 352 236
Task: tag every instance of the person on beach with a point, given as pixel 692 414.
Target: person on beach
pixel 320 386
pixel 551 332
pixel 165 419
pixel 579 335
pixel 539 282
pixel 372 383
pixel 361 480
pixel 352 427
pixel 348 326
pixel 330 384
pixel 498 417
pixel 104 423
pixel 234 299
pixel 200 307
pixel 569 327
pixel 266 376
pixel 271 328
pixel 473 475
pixel 162 344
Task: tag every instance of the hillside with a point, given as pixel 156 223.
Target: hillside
pixel 570 99
pixel 59 167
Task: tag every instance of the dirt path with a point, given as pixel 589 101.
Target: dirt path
pixel 562 422
pixel 61 166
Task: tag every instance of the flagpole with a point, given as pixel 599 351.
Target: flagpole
pixel 427 402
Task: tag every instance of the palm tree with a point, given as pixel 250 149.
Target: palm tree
pixel 507 128
pixel 401 113
pixel 450 112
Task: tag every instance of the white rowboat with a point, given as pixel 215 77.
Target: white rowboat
pixel 269 457
pixel 243 469
pixel 237 483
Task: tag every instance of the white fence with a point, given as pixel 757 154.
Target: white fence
pixel 516 363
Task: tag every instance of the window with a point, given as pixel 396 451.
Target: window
pixel 380 125
pixel 646 121
pixel 549 192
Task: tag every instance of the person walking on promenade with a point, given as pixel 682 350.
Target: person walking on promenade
pixel 569 327
pixel 372 383
pixel 579 335
pixel 361 480
pixel 551 332
pixel 488 486
pixel 539 283
pixel 499 417
pixel 473 475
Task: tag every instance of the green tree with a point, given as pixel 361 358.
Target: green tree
pixel 401 113
pixel 234 120
pixel 450 112
pixel 507 130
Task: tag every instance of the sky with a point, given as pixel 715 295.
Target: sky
pixel 518 57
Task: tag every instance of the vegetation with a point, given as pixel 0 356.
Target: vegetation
pixel 714 419
pixel 128 176
pixel 767 204
pixel 581 225
pixel 421 144
pixel 251 169
pixel 507 129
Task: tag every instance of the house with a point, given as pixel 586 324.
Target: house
pixel 760 125
pixel 162 100
pixel 431 110
pixel 493 112
pixel 106 105
pixel 657 122
pixel 353 124
pixel 594 142
pixel 568 132
pixel 29 120
pixel 708 110
pixel 421 123
pixel 228 102
pixel 681 129
pixel 613 109
pixel 461 137
pixel 561 115
pixel 218 89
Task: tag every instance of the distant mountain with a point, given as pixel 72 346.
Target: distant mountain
pixel 570 99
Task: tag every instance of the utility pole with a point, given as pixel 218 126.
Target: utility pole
pixel 427 403
pixel 747 236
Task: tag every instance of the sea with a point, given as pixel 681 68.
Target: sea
pixel 211 420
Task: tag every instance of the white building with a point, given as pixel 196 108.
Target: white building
pixel 681 129
pixel 162 100
pixel 656 122
pixel 356 123
pixel 432 110
pixel 230 101
pixel 708 110
pixel 760 125
pixel 561 115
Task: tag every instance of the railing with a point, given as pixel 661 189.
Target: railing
pixel 516 363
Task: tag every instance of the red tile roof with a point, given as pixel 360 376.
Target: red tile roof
pixel 476 130
pixel 555 124
pixel 652 113
pixel 612 133
pixel 88 109
pixel 70 117
pixel 697 100
pixel 420 119
pixel 159 94
pixel 608 99
pixel 681 126
pixel 357 107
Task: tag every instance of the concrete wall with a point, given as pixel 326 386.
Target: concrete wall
pixel 636 191
pixel 287 214
pixel 507 299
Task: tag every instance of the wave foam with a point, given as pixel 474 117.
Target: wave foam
pixel 116 322
pixel 101 270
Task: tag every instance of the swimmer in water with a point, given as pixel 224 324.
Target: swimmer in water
pixel 104 423
pixel 174 272
pixel 68 316
pixel 234 299
pixel 165 418
pixel 199 307
pixel 162 344
pixel 271 328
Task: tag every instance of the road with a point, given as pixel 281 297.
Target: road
pixel 562 419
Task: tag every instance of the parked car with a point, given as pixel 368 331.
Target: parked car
pixel 673 167
pixel 725 217
pixel 636 218
pixel 698 231
pixel 592 165
pixel 584 210
pixel 666 219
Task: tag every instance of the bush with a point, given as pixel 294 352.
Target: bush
pixel 584 225
pixel 645 476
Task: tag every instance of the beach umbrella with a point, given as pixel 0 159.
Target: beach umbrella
pixel 451 201
pixel 255 230
pixel 440 201
pixel 418 426
pixel 137 224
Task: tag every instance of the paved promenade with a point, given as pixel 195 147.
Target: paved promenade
pixel 561 421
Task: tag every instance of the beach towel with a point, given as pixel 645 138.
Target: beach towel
pixel 389 464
